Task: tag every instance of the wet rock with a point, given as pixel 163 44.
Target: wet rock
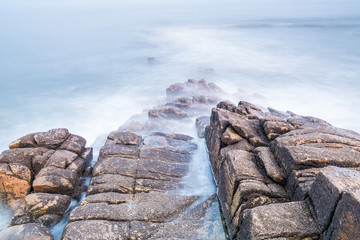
pixel 33 231
pixel 96 229
pixel 327 189
pixel 87 154
pixel 38 204
pixel 288 220
pixel 74 143
pixel 125 138
pixel 162 154
pixel 226 105
pixel 159 207
pixel 201 123
pixel 345 224
pixel 230 137
pixel 267 160
pixel 52 138
pixel 170 144
pixel 175 89
pixel 176 136
pixel 163 168
pixel 146 184
pixel 55 180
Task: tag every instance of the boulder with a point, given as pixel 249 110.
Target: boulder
pixel 96 229
pixel 124 138
pixel 24 142
pixel 162 154
pixel 345 224
pixel 327 189
pixel 115 165
pixel 52 138
pixel 230 137
pixel 22 156
pixel 108 197
pixel 74 143
pixel 117 150
pixel 33 231
pixel 61 159
pixel 111 183
pixel 49 220
pixel 283 220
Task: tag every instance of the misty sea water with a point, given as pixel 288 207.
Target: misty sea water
pixel 84 65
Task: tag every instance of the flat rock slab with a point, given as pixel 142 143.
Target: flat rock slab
pixel 33 231
pixel 327 189
pixel 115 165
pixel 288 220
pixel 96 230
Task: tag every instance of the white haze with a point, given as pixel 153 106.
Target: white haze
pixel 83 64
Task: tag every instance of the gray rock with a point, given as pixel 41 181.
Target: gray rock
pixel 111 183
pixel 74 143
pixel 61 159
pixel 52 138
pixel 125 138
pixel 33 231
pixel 289 220
pixel 108 197
pixel 96 229
pixel 122 151
pixel 162 154
pixel 230 137
pixel 115 165
pixel 327 189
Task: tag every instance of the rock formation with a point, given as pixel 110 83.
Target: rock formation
pixel 283 176
pixel 39 175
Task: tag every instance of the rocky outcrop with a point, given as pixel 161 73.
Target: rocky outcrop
pixel 283 176
pixel 138 183
pixel 39 175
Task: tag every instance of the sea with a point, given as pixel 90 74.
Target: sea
pixel 88 65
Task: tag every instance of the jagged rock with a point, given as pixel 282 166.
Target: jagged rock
pixel 226 105
pixel 230 137
pixel 52 138
pixel 125 138
pixel 159 207
pixel 74 143
pixel 345 224
pixel 274 129
pixel 267 160
pixel 327 189
pixel 55 180
pixel 15 183
pixel 299 183
pixel 289 220
pixel 38 204
pixel 201 123
pixel 96 229
pixel 33 231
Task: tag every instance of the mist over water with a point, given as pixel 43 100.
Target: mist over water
pixel 84 65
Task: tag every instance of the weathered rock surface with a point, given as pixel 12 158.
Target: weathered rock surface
pixel 291 158
pixel 33 231
pixel 38 175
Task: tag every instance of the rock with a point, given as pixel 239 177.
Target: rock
pixel 55 180
pixel 39 161
pixel 151 184
pixel 267 160
pixel 33 231
pixel 159 207
pixel 201 123
pixel 108 197
pixel 125 138
pixel 175 89
pixel 61 159
pixel 115 165
pixel 287 220
pixel 299 183
pixel 327 189
pixel 163 154
pixel 24 142
pixel 101 211
pixel 77 165
pixel 96 229
pixel 176 136
pixel 170 144
pixel 23 156
pixel 15 183
pixel 226 105
pixel 49 220
pixel 122 151
pixel 52 138
pixel 169 169
pixel 38 204
pixel 230 137
pixel 111 183
pixel 87 154
pixel 74 143
pixel 345 224
pixel 274 129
